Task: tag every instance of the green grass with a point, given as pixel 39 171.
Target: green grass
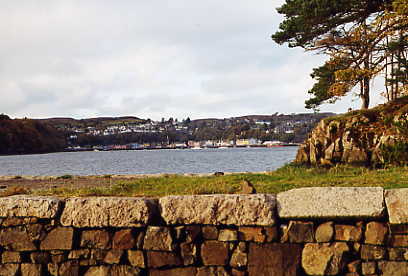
pixel 286 178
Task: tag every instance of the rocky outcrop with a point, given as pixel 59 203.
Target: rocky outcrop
pixel 367 137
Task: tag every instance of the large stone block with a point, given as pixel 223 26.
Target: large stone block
pixel 214 253
pixel 60 238
pixel 376 233
pixel 158 238
pixel 274 259
pixel 16 239
pixel 397 205
pixel 156 259
pixel 124 239
pixel 324 259
pixel 108 212
pixel 393 268
pixel 31 270
pixel 29 206
pixel 182 271
pixel 95 239
pixel 9 269
pixel 238 210
pixel 331 202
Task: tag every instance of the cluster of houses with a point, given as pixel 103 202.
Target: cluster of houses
pixel 149 127
pixel 240 143
pixel 274 125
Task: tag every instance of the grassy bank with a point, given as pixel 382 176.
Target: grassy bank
pixel 286 178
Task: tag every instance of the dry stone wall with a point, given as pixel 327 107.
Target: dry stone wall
pixel 310 231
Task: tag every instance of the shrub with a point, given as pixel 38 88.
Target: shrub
pixel 65 176
pixel 396 153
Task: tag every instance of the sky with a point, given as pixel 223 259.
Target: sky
pixel 150 59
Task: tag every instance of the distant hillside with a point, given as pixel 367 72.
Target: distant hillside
pixel 20 136
pixel 54 134
pixel 99 122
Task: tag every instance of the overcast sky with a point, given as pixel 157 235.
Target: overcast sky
pixel 149 58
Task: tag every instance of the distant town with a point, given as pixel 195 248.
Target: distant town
pixel 132 133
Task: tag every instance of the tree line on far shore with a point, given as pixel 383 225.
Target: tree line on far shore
pixel 20 136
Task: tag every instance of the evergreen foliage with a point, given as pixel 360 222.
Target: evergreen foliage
pixel 363 39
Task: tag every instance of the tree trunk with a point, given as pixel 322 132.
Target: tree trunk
pixel 365 93
pixel 365 89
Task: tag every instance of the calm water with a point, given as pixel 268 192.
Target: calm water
pixel 148 161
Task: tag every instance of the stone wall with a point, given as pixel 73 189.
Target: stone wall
pixel 310 231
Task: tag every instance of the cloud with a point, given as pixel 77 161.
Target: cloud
pixel 150 59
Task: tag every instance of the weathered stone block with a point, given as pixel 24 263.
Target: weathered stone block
pixel 124 239
pixel 95 239
pixel 158 238
pixel 397 254
pixel 298 232
pixel 372 252
pixel 368 268
pixel 240 210
pixel 239 258
pixel 236 272
pixel 214 253
pixel 136 258
pixel 393 268
pixel 324 232
pixel 399 241
pixel 228 235
pixel 29 206
pixel 52 269
pixel 188 253
pixel 79 254
pixel 376 233
pixel 9 257
pixel 324 259
pixel 192 233
pixel 124 270
pixel 114 270
pixel 348 233
pixel 331 202
pixel 9 269
pixel 182 271
pixel 113 256
pixel 157 259
pixel 251 234
pixel 397 205
pixel 59 239
pixel 98 254
pixel 274 259
pixel 212 271
pixel 271 234
pixel 40 257
pixel 354 267
pixel 399 229
pixel 210 233
pixel 31 270
pixel 13 221
pixel 108 212
pixel 69 268
pixel 98 271
pixel 16 239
